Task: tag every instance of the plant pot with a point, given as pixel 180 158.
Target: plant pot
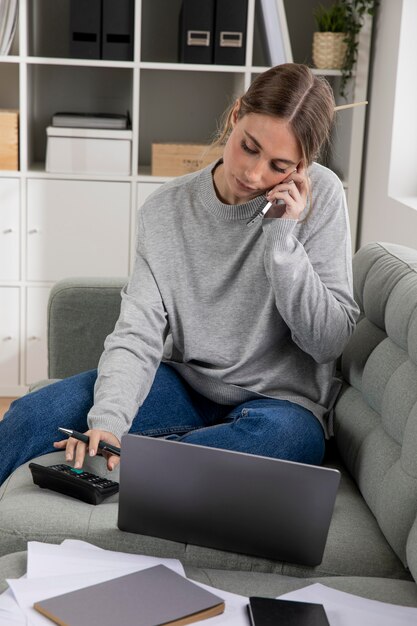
pixel 329 50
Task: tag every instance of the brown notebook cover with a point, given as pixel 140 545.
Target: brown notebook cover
pixel 150 597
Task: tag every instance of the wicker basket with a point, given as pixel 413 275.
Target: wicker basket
pixel 329 50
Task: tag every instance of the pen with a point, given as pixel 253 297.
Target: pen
pixel 259 214
pixel 85 439
pixel 350 106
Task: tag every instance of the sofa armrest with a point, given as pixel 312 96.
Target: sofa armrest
pixel 81 313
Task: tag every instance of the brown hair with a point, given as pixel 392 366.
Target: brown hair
pixel 291 92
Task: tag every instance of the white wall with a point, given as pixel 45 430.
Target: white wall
pixel 383 217
pixel 403 179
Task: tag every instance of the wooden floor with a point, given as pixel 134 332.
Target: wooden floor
pixel 4 405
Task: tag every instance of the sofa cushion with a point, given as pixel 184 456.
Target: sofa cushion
pixel 412 550
pixel 355 543
pixel 375 420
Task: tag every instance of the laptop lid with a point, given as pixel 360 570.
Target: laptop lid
pixel 225 500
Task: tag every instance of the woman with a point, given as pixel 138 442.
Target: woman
pixel 229 327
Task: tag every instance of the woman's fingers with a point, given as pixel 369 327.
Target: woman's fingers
pixel 112 461
pixel 76 450
pixel 293 191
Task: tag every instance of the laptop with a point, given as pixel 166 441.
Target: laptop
pixel 226 500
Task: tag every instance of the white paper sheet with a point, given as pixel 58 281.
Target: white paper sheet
pixel 10 612
pixel 345 609
pixel 46 559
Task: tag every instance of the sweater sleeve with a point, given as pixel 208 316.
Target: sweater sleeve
pixel 312 282
pixel 132 352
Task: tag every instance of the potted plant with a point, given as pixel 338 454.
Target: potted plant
pixel 335 44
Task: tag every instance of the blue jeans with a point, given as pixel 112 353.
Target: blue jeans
pixel 268 427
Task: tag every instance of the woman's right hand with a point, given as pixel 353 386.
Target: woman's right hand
pixel 76 450
pixel 293 191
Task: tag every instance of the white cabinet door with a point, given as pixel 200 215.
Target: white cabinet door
pixel 9 336
pixel 77 228
pixel 9 229
pixel 36 334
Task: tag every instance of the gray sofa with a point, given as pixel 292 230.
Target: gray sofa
pixel 372 543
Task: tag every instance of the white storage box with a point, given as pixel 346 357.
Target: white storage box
pixel 88 151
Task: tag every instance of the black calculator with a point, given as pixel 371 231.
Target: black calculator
pixel 73 482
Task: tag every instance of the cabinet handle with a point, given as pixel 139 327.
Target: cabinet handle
pixel 33 231
pixel 8 338
pixel 33 338
pixel 7 231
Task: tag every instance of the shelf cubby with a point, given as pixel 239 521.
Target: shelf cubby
pixel 56 88
pixel 180 107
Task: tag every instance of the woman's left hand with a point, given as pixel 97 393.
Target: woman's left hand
pixel 293 191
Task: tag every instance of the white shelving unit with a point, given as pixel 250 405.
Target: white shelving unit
pixel 52 226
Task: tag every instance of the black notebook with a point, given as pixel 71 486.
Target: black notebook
pixel 270 612
pixel 151 597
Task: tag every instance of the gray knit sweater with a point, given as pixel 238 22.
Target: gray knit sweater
pixel 240 312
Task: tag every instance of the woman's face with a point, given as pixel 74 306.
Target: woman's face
pixel 260 153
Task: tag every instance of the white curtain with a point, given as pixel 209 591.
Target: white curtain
pixel 8 21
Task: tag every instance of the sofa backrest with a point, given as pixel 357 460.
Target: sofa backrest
pixel 81 313
pixel 375 420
